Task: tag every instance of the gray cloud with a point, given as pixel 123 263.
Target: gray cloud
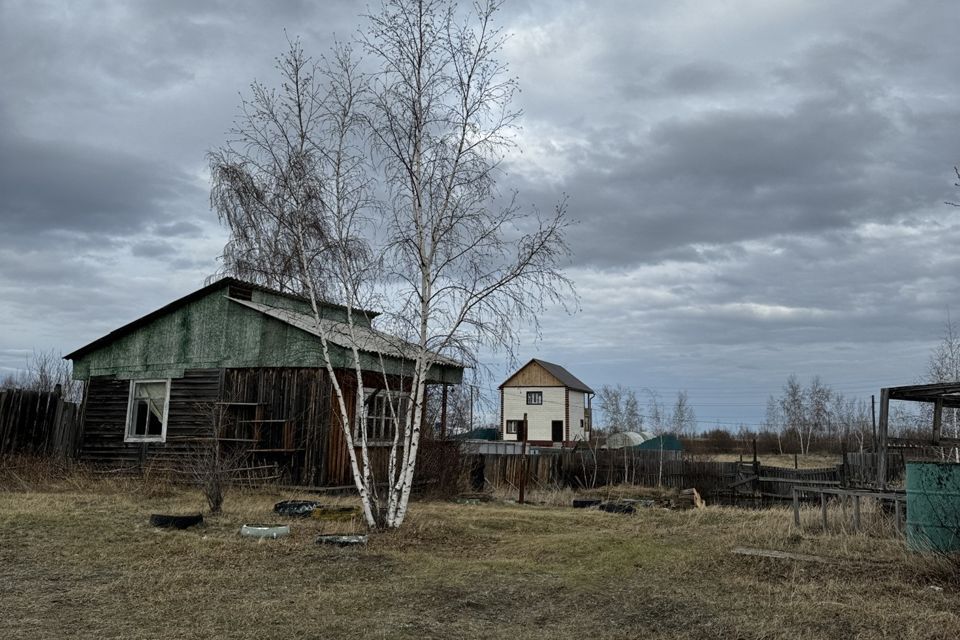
pixel 153 249
pixel 58 185
pixel 759 185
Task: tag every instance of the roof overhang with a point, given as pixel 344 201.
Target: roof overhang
pixel 947 393
pixel 362 338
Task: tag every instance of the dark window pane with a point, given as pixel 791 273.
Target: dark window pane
pixel 154 424
pixel 141 411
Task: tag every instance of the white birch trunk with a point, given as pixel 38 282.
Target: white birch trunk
pixel 360 479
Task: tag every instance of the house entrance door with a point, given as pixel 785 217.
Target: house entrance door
pixel 557 428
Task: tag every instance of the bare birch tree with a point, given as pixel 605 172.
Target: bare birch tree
pixel 773 420
pixel 46 371
pixel 621 409
pixel 456 267
pixel 683 419
pixel 793 409
pixel 466 266
pixel 291 186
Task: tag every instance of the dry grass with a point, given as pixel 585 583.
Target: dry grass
pixel 809 461
pixel 80 560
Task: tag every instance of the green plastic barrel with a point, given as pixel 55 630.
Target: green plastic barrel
pixel 933 506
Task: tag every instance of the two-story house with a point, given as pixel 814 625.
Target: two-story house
pixel 556 403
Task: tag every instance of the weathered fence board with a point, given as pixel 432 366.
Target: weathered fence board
pixel 37 423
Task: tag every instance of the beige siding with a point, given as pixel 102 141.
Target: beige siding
pixel 539 416
pixel 577 399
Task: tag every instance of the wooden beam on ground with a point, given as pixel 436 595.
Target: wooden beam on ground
pixel 782 555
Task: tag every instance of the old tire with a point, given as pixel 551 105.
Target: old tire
pixel 165 521
pixel 617 507
pixel 342 540
pixel 270 531
pixel 296 508
pixel 585 503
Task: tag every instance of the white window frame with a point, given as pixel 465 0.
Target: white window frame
pixel 127 436
pixel 535 404
pixel 512 423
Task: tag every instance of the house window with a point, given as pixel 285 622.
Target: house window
pixel 513 426
pixel 147 411
pixel 534 397
pixel 384 412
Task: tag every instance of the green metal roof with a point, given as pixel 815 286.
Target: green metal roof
pixel 669 442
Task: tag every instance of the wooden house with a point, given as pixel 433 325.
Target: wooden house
pixel 557 405
pixel 246 360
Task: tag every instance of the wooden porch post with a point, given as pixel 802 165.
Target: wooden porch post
pixel 443 414
pixel 937 419
pixel 423 412
pixel 882 435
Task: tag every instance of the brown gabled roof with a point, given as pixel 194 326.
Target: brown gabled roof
pixel 179 302
pixel 565 377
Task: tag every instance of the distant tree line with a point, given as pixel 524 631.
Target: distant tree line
pixel 816 418
pixel 45 371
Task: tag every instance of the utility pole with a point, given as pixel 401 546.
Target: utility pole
pixel 523 459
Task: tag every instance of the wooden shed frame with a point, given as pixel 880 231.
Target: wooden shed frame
pixel 940 395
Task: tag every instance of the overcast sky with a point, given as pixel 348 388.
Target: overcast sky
pixel 760 185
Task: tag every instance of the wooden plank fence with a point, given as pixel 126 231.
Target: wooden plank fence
pixel 592 468
pixel 37 423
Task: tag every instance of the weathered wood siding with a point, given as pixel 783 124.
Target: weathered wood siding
pixel 280 416
pixel 283 417
pixel 338 469
pixel 286 418
pixel 193 399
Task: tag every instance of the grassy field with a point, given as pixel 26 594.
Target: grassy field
pixel 808 461
pixel 78 559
